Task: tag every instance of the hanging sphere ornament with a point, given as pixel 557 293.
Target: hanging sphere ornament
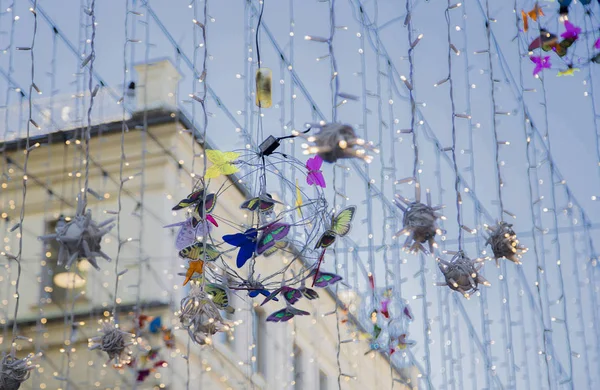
pixel 419 222
pixel 504 243
pixel 337 141
pixel 13 371
pixel 80 237
pixel 200 316
pixel 462 274
pixel 115 342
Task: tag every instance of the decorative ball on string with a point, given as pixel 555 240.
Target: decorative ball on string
pixel 80 237
pixel 504 243
pixel 337 141
pixel 200 316
pixel 13 371
pixel 418 223
pixel 115 342
pixel 462 274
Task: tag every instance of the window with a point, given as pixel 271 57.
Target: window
pixel 60 285
pixel 323 381
pixel 261 350
pixel 298 368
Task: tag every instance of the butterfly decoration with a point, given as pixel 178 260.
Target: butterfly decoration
pixel 324 279
pixel 219 294
pixel 196 251
pixel 597 44
pixel 222 163
pixel 168 338
pixel 188 232
pixel 299 201
pixel 197 197
pixel 571 31
pixel 246 242
pixel 279 245
pixel 384 308
pixel 271 233
pixel 261 203
pixel 540 63
pixel 550 42
pixel 564 6
pixel 407 312
pixel 260 291
pixel 193 267
pixel 144 373
pixel 315 175
pixel 197 254
pixel 155 325
pixel 533 15
pixel 402 343
pixel 286 314
pixel 570 71
pixel 292 295
pixel 340 226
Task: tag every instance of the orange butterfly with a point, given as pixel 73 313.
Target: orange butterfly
pixel 533 15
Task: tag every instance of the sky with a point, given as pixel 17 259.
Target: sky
pixel 561 111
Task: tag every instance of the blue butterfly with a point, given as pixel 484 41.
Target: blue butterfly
pixel 266 293
pixel 246 242
pixel 155 325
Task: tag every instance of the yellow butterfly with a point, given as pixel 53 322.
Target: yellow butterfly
pixel 298 198
pixel 567 72
pixel 222 163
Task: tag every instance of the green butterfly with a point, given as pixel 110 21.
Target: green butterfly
pixel 219 294
pixel 340 226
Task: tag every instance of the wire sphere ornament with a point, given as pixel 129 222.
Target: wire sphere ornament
pixel 462 274
pixel 504 243
pixel 337 141
pixel 13 371
pixel 200 316
pixel 80 237
pixel 115 342
pixel 419 222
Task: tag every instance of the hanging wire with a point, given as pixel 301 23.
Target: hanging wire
pixel 30 123
pixel 122 160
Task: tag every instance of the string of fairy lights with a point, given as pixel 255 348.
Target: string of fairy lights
pixel 458 323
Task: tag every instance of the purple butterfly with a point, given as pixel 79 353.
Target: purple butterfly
pixel 572 31
pixel 540 63
pixel 407 312
pixel 246 242
pixel 597 44
pixel 324 279
pixel 315 176
pixel 271 233
pixel 189 232
pixel 292 295
pixel 286 314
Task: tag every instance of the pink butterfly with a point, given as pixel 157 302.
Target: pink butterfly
pixel 540 63
pixel 315 176
pixel 572 31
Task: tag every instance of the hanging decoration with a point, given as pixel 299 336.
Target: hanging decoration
pixel 504 243
pixel 115 342
pixel 13 371
pixel 337 141
pixel 419 223
pixel 462 273
pixel 80 237
pixel 200 316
